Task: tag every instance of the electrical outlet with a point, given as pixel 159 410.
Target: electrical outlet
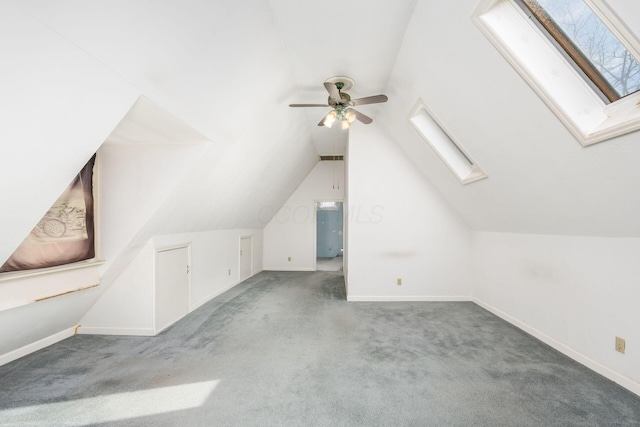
pixel 399 282
pixel 289 259
pixel 229 272
pixel 620 345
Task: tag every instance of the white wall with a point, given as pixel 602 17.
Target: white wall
pixel 58 105
pixel 213 253
pixel 134 182
pixel 39 310
pixel 400 227
pixel 575 293
pixel 291 231
pixel 541 180
pixel 345 223
pixel 68 86
pixel 127 306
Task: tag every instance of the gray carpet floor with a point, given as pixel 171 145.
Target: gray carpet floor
pixel 286 349
pixel 329 264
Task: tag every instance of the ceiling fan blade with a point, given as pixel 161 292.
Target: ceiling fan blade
pixel 376 99
pixel 308 105
pixel 334 93
pixel 364 119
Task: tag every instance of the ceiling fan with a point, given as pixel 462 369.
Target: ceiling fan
pixel 341 103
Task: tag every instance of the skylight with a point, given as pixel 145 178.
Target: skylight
pixel 576 55
pixel 451 153
pixel 589 44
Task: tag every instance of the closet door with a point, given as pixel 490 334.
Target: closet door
pixel 246 257
pixel 172 286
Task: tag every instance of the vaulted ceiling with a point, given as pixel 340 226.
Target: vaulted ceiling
pixel 228 70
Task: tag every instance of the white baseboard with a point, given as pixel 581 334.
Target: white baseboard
pixel 38 345
pixel 289 269
pixel 134 332
pixel 212 295
pixel 564 349
pixel 391 298
pixel 215 293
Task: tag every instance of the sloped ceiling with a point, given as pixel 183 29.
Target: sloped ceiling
pixel 359 39
pixel 228 70
pixel 58 104
pixel 541 180
pixel 225 71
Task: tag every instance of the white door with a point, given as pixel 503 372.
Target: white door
pixel 172 286
pixel 246 253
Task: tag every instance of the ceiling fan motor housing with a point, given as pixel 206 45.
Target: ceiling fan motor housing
pixel 344 99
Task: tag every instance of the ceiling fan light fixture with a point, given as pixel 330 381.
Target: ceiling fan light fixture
pixel 341 103
pixel 331 117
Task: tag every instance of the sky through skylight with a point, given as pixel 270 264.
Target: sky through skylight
pixel 598 44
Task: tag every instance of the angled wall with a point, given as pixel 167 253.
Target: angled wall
pixel 574 293
pixel 58 106
pixel 127 305
pixel 400 227
pixel 555 224
pixel 71 82
pixel 541 180
pixel 290 235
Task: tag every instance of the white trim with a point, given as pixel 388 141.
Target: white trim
pixel 218 292
pixel 24 291
pixel 571 95
pixel 407 298
pixel 51 270
pixel 173 247
pixel 472 172
pixel 134 332
pixel 97 204
pixel 38 345
pixel 315 228
pixel 289 269
pixel 214 294
pixel 564 349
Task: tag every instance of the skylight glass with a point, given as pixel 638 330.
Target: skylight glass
pixel 595 50
pixel 576 55
pixel 451 153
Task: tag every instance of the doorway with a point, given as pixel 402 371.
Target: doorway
pixel 246 257
pixel 329 235
pixel 172 286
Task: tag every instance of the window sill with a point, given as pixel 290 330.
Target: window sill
pixel 23 288
pixel 16 275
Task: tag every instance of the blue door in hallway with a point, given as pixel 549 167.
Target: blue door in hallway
pixel 329 235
